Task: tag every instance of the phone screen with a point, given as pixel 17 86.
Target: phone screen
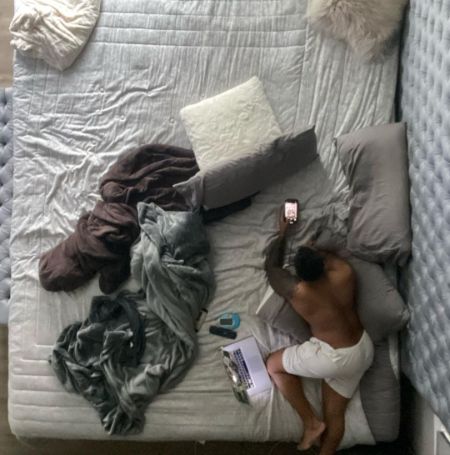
pixel 290 210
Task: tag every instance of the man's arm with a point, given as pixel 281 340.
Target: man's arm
pixel 282 282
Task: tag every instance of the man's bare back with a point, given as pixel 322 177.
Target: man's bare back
pixel 328 304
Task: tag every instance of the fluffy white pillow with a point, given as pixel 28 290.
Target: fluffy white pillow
pixel 53 30
pixel 231 124
pixel 366 25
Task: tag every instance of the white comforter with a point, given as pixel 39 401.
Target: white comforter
pixel 145 61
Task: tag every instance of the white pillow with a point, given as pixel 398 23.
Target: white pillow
pixel 366 25
pixel 53 30
pixel 231 124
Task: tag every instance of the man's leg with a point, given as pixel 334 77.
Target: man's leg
pixel 292 389
pixel 334 406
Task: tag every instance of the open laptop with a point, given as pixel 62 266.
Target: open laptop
pixel 246 369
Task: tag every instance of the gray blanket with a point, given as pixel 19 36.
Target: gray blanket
pixel 134 346
pixel 170 262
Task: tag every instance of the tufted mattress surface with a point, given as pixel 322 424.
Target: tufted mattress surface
pixel 425 105
pixel 6 190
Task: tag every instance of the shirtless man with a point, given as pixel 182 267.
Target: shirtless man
pixel 340 351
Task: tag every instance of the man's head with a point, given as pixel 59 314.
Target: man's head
pixel 308 264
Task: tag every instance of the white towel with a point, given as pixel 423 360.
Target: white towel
pixel 54 30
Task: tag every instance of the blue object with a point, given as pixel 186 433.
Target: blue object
pixel 230 321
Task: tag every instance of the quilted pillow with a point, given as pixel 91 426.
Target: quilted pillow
pixel 380 306
pixel 235 179
pixel 366 25
pixel 228 125
pixel 375 163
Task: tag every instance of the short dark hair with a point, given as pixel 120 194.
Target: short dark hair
pixel 309 264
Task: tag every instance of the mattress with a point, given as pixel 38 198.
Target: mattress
pixel 6 190
pixel 144 62
pixel 425 101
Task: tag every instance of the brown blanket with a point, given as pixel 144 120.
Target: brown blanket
pixel 103 237
pixel 147 175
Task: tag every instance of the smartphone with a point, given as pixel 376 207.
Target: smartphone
pixel 291 210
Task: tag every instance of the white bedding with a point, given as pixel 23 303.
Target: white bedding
pixel 145 61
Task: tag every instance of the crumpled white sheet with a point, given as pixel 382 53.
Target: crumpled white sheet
pixel 53 30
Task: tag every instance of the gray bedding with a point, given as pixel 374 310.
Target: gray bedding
pixel 99 359
pixel 136 345
pixel 380 392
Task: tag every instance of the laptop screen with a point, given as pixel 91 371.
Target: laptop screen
pixel 238 385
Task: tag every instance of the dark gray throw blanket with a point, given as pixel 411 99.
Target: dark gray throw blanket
pixel 132 347
pixel 171 264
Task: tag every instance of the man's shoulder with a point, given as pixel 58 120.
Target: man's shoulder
pixel 341 266
pixel 302 291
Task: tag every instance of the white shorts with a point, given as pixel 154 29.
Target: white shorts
pixel 342 368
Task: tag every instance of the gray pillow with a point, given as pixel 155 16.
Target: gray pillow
pixel 380 306
pixel 232 180
pixel 380 395
pixel 375 163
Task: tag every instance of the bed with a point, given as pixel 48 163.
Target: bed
pixel 144 62
pixel 424 105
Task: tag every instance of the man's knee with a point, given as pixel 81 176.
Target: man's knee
pixel 273 364
pixel 270 365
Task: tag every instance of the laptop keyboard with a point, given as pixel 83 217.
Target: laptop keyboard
pixel 244 374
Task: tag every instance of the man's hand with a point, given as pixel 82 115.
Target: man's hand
pixel 283 223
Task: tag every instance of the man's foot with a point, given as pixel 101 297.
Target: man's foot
pixel 311 434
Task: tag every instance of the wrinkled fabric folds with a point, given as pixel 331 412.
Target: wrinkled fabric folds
pixel 103 238
pixel 127 352
pixel 94 358
pixel 170 261
pixel 54 30
pixel 147 174
pixel 100 243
